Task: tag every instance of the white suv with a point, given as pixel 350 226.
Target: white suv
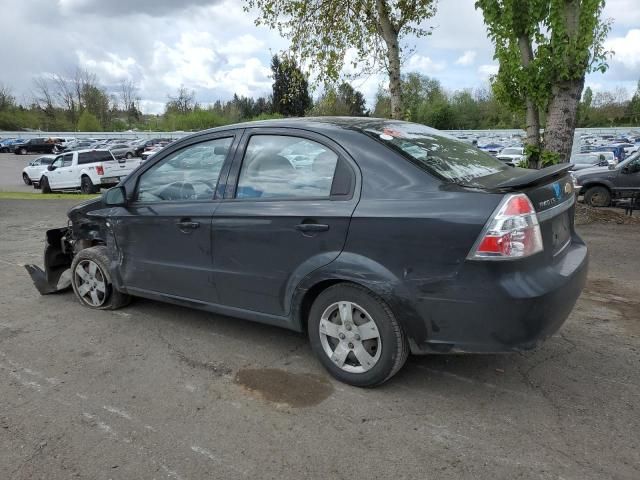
pixel 31 173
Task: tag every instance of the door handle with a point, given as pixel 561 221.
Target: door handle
pixel 312 227
pixel 186 225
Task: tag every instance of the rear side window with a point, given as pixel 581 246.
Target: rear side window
pixel 94 157
pixel 447 158
pixel 279 166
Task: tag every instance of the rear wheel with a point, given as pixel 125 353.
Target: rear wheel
pixel 355 335
pixel 26 179
pixel 91 280
pixel 597 197
pixel 86 185
pixel 129 155
pixel 44 185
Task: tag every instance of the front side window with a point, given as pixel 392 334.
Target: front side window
pixel 57 163
pixel 279 166
pixel 188 174
pixel 67 160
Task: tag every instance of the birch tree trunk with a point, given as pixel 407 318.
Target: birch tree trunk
pixel 533 112
pixel 390 35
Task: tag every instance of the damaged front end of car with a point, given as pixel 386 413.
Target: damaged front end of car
pixel 58 254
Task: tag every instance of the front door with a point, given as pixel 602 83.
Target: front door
pixel 285 214
pixel 164 233
pixel 59 177
pixel 628 179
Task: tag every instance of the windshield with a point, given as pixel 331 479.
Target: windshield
pixel 584 159
pixel 438 154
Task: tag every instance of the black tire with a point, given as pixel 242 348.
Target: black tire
pixel 111 298
pixel 86 185
pixel 23 151
pixel 129 156
pixel 597 196
pixel 4 150
pixel 44 185
pixel 392 341
pixel 26 179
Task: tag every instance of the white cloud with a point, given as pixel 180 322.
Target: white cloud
pixel 467 58
pixel 487 70
pixel 623 12
pixel 627 49
pixel 422 64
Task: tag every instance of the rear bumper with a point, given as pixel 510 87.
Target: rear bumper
pixel 514 309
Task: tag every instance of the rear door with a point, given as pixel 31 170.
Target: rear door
pixel 164 233
pixel 286 212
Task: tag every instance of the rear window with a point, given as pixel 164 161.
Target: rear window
pixel 445 157
pixel 94 157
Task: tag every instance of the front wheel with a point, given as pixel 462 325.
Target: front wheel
pixel 129 156
pixel 86 185
pixel 22 151
pixel 597 197
pixel 26 179
pixel 44 185
pixel 356 336
pixel 91 280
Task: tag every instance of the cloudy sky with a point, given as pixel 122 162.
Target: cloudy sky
pixel 213 47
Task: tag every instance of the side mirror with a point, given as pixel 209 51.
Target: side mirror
pixel 115 197
pixel 51 168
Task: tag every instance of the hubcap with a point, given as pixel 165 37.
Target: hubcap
pixel 350 337
pixel 90 283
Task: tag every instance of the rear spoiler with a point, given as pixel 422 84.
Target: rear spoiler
pixel 536 176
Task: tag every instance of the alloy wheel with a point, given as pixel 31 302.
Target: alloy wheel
pixel 350 337
pixel 90 283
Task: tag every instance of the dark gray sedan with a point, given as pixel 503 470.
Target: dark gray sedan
pixel 377 238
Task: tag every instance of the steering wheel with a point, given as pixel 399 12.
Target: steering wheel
pixel 188 190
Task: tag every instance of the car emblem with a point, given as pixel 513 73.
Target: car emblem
pixel 568 188
pixel 556 190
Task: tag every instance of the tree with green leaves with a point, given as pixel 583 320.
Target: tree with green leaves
pixel 88 122
pixel 343 101
pixel 322 32
pixel 545 48
pixel 290 88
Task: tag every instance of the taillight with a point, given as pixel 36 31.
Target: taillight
pixel 100 170
pixel 512 232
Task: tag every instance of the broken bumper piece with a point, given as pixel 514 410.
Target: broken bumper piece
pixel 56 275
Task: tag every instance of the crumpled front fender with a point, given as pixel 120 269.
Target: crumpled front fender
pixel 56 276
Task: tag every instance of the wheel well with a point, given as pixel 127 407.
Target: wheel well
pixel 311 295
pixel 591 185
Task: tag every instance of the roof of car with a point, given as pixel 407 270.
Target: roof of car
pixel 314 123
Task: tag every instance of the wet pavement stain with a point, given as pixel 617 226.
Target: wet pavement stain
pixel 282 387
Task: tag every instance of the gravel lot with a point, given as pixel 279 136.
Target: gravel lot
pixel 159 391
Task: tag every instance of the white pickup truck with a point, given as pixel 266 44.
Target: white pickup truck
pixel 87 170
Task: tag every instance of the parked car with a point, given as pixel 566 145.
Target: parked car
pixel 122 150
pixel 8 145
pixel 85 170
pixel 32 172
pixel 512 155
pixel 618 152
pixel 35 145
pixel 581 161
pixel 491 148
pixel 603 185
pixel 148 144
pixel 393 238
pixel 146 154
